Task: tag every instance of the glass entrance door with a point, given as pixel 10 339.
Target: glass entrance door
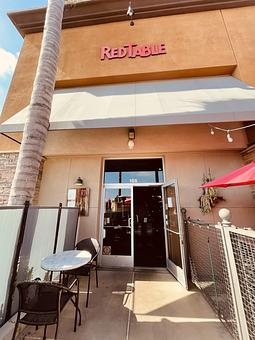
pixel 117 238
pixel 174 233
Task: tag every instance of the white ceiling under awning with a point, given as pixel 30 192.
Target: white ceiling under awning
pixel 165 102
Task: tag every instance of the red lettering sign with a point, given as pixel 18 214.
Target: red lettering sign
pixel 132 51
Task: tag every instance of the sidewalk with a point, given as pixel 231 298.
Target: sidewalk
pixel 139 306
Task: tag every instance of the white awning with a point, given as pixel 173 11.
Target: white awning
pixel 182 101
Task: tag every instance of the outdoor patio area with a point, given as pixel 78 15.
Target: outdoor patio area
pixel 136 306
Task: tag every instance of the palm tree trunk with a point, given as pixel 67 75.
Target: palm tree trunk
pixel 37 122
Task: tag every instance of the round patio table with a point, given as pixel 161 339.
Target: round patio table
pixel 66 260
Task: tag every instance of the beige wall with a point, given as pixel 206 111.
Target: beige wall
pixel 192 41
pixel 203 43
pixel 154 139
pixel 240 27
pixel 189 169
pixel 22 82
pixel 60 173
pixel 197 44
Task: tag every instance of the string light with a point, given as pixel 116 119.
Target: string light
pixel 230 139
pixel 130 13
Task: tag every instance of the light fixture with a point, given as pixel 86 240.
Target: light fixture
pixel 131 139
pixel 79 181
pixel 229 138
pixel 131 144
pixel 130 13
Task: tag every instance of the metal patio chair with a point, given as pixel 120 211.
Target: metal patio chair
pixel 42 302
pixel 91 245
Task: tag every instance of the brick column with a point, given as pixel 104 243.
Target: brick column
pixel 8 162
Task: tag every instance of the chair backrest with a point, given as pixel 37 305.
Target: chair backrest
pixel 91 245
pixel 39 297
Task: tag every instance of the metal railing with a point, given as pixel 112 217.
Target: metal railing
pixel 222 263
pixel 27 234
pixel 243 247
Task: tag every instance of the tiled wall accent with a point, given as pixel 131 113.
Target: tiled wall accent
pixel 8 163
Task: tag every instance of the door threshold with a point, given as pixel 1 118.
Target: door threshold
pixel 162 270
pixel 124 269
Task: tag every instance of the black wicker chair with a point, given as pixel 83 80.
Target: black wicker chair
pixel 42 303
pixel 92 246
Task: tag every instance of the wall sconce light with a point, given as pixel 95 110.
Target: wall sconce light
pixel 78 182
pixel 131 139
pixel 130 13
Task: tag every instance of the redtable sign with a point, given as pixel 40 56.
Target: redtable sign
pixel 132 51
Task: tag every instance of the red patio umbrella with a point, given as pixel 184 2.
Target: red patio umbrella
pixel 242 176
pixel 127 200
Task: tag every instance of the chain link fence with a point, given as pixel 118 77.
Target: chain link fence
pixel 216 255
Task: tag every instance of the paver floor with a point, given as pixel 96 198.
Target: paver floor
pixel 138 306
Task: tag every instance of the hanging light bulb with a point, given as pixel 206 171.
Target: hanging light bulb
pixel 131 144
pixel 130 10
pixel 229 138
pixel 130 13
pixel 212 131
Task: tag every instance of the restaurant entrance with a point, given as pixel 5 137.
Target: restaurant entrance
pixel 141 218
pixel 132 232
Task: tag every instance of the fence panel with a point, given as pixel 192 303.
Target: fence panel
pixel 209 271
pixel 243 245
pixel 38 242
pixel 67 229
pixel 9 229
pixel 39 226
pixel 21 252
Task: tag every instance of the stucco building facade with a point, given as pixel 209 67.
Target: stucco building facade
pixel 201 42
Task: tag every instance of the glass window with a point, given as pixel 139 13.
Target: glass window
pixel 111 177
pixel 134 171
pixel 138 177
pixel 160 176
pixel 117 222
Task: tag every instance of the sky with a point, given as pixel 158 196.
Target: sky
pixel 11 41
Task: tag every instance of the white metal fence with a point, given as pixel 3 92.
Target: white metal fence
pixel 27 234
pixel 222 261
